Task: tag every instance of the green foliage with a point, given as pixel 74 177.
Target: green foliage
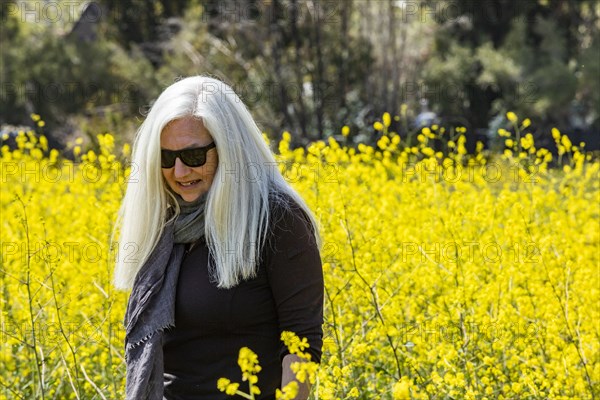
pixel 526 58
pixel 62 77
pixel 588 83
pixel 305 68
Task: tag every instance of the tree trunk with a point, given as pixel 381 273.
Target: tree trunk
pixel 318 80
pixel 298 69
pixel 275 34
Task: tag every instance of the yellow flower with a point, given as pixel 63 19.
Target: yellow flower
pixel 345 130
pixel 511 116
pixel 555 133
pixel 225 385
pixel 57 216
pixel 126 150
pixel 248 361
pixel 222 383
pixel 565 141
pixel 43 143
pixel 387 119
pixel 305 371
pixel 266 138
pixel 288 392
pixel 428 151
pixel 383 142
pixel 378 126
pixel 401 390
pixel 293 343
pixel 91 156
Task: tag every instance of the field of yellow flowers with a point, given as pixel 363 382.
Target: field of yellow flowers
pixel 448 275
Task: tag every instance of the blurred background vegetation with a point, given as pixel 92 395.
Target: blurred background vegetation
pixel 309 67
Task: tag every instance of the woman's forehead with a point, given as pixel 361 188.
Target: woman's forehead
pixel 187 129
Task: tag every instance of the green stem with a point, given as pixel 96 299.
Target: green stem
pixel 34 345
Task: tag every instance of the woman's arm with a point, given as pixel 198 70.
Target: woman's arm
pixel 295 275
pixel 287 376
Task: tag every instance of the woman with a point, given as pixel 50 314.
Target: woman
pixel 220 252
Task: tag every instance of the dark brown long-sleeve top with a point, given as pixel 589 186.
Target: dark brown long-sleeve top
pixel 211 324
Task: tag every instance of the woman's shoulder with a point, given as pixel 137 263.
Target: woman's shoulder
pixel 284 209
pixel 289 225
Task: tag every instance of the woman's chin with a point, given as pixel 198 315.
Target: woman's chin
pixel 191 192
pixel 190 197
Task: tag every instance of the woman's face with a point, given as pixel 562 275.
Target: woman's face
pixel 188 182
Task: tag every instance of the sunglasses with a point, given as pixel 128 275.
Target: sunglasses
pixel 195 157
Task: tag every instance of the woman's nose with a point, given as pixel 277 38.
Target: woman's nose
pixel 181 169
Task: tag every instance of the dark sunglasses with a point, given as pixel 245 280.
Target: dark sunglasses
pixel 195 157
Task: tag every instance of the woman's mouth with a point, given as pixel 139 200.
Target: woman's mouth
pixel 189 184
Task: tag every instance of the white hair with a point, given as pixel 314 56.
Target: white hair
pixel 237 206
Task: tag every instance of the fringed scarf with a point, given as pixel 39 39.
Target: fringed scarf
pixel 151 306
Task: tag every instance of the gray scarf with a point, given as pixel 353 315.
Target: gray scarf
pixel 151 306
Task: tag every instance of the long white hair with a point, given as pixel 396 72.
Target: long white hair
pixel 237 205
